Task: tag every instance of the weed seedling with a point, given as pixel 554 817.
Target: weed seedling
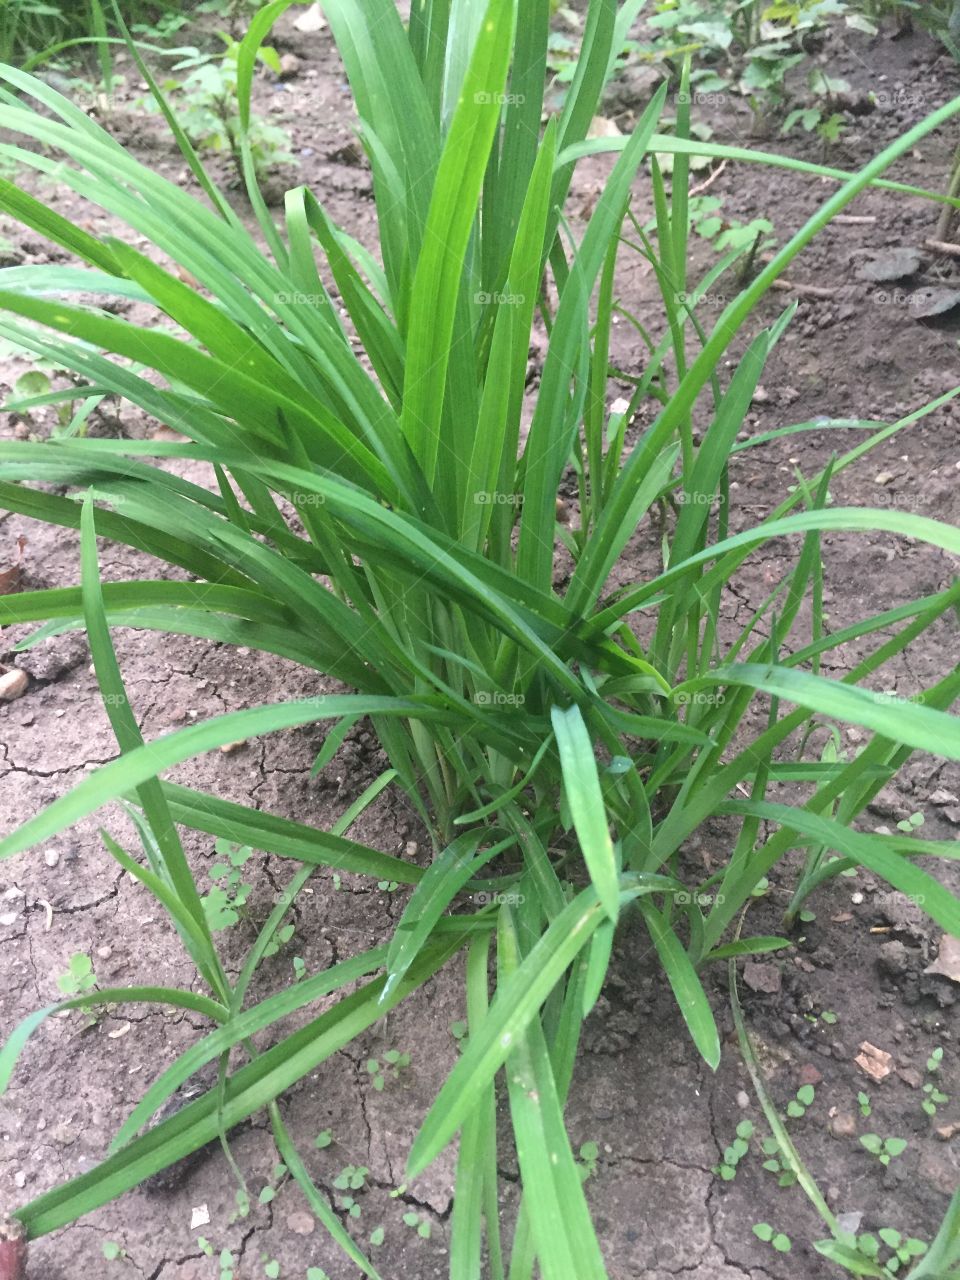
pixel 797 1106
pixel 589 1151
pixel 113 1252
pixel 763 1231
pixel 777 1163
pixel 79 976
pixel 933 1097
pixel 863 1102
pixel 351 1178
pixel 225 901
pixel 727 1170
pixel 422 1225
pixel 885 1149
pixel 393 1063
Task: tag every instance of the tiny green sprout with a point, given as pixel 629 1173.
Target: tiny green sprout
pixel 459 1031
pixel 316 1273
pixel 732 1155
pixel 760 888
pixel 377 1237
pixel 79 976
pixel 885 1149
pixel 808 916
pixel 323 1139
pixel 394 1059
pixel 776 1162
pixel 388 886
pixel 337 881
pixel 112 1251
pixel 933 1097
pixel 243 1204
pixel 351 1178
pixel 589 1152
pixel 763 1231
pixel 279 939
pixel 905 1250
pixel 863 1101
pixel 271 1269
pixel 349 1205
pixel 205 1246
pixel 267 1195
pixel 797 1106
pixel 225 901
pixel 910 824
pixel 422 1225
pixel 226 1264
pixel 299 968
pixel 829 1017
pixel 398 1191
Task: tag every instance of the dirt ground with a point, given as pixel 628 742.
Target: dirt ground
pixel 660 1119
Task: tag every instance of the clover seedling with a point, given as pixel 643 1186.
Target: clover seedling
pixel 422 1224
pixel 377 1236
pixel 733 1154
pixel 323 1139
pixel 863 1102
pixel 763 1231
pixel 113 1252
pixel 797 1106
pixel 909 825
pixel 885 1149
pixel 776 1162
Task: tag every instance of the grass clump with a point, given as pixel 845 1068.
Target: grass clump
pixel 378 517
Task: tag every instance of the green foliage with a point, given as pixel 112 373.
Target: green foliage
pixel 727 1169
pixel 379 518
pixel 79 976
pixel 885 1149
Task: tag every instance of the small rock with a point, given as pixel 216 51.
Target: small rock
pixel 743 1099
pixel 229 748
pixel 8 918
pixel 410 849
pixel 941 797
pixel 947 1131
pixel 883 477
pixel 910 1076
pixel 200 1217
pixel 300 1223
pixel 20 1179
pixel 105 952
pixel 856 899
pixel 894 959
pixel 843 1125
pixel 311 21
pixel 891 264
pixel 13 684
pixel 809 1074
pixel 290 66
pixel 51 857
pixel 952 814
pixel 762 977
pixel 947 963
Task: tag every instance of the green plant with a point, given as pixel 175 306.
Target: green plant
pixel 393 1062
pixel 778 1162
pixel 588 1156
pixel 763 1231
pixel 933 1097
pixel 209 112
pixel 79 976
pixel 727 1169
pixel 863 1102
pixel 885 1149
pixel 797 1106
pixel 420 1223
pixel 375 519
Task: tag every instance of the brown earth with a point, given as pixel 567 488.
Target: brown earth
pixel 660 1119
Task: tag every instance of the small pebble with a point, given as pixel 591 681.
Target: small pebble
pixel 20 1178
pixel 743 1099
pixel 105 952
pixel 300 1223
pixel 51 857
pixel 856 898
pixel 13 685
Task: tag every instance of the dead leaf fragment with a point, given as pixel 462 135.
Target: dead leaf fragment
pixel 875 1062
pixel 13 684
pixel 947 1131
pixel 947 963
pixel 891 264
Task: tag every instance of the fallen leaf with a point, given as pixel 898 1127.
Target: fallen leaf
pixel 932 301
pixel 601 127
pixel 947 963
pixel 200 1217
